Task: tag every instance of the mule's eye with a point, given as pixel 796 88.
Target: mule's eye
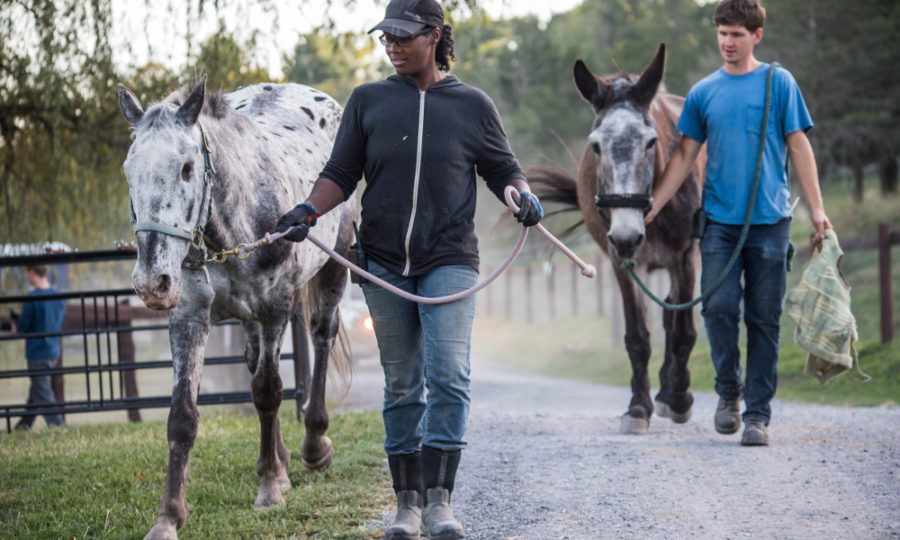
pixel 595 146
pixel 186 171
pixel 651 143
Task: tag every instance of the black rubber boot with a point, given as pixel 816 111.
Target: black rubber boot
pixel 439 469
pixel 406 470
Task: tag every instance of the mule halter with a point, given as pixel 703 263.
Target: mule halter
pixel 195 236
pixel 629 200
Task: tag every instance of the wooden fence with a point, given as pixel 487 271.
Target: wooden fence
pixel 527 292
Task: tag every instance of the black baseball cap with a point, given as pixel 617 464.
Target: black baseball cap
pixel 403 18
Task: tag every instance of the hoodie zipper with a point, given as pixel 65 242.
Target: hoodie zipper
pixel 415 194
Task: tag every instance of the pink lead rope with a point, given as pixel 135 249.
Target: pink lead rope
pixel 510 194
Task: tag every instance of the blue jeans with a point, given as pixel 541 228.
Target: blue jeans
pixel 424 347
pixel 763 264
pixel 41 393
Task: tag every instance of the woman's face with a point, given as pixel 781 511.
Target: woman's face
pixel 414 58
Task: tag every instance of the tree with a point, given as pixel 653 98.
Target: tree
pixel 58 142
pixel 840 54
pixel 227 63
pixel 62 138
pixel 334 64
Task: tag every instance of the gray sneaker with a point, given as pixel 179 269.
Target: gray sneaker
pixel 728 415
pixel 755 434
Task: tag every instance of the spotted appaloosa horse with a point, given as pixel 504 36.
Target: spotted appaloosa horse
pixel 266 146
pixel 631 139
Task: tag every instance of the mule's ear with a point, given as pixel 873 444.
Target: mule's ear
pixel 189 111
pixel 131 107
pixel 644 90
pixel 590 88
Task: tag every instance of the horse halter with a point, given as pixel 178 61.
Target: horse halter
pixel 195 236
pixel 630 200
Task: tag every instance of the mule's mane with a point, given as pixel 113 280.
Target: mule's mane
pixel 619 84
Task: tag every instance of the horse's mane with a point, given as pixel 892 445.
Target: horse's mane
pixel 215 106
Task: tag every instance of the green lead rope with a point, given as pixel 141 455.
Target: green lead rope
pixel 629 264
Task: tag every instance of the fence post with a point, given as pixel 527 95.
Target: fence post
pixel 508 300
pixel 528 296
pixel 488 296
pixel 597 264
pixel 551 292
pixel 884 277
pixel 573 275
pixel 126 356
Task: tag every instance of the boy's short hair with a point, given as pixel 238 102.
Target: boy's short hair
pixel 746 13
pixel 41 270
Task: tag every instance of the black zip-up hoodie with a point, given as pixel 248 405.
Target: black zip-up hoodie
pixel 420 152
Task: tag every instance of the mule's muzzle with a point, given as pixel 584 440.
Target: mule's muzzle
pixel 626 245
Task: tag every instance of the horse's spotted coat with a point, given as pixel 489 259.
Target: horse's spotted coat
pixel 267 144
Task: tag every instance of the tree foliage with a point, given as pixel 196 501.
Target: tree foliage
pixel 57 137
pixel 333 63
pixel 62 137
pixel 841 54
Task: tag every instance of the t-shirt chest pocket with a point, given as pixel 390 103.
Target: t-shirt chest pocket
pixel 754 117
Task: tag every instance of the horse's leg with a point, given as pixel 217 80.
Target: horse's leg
pixel 637 343
pixel 266 389
pixel 329 284
pixel 188 333
pixel 674 399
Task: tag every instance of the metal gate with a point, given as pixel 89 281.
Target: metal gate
pixel 102 319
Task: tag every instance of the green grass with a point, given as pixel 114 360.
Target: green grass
pixel 583 346
pixel 105 481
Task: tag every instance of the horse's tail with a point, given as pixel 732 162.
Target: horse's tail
pixel 555 186
pixel 340 359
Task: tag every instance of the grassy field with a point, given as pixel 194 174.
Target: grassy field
pixel 587 346
pixel 105 481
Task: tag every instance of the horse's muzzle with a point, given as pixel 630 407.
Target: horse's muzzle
pixel 157 291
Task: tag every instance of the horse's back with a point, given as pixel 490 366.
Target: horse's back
pixel 295 107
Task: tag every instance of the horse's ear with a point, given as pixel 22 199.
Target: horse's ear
pixel 130 105
pixel 644 90
pixel 189 111
pixel 590 88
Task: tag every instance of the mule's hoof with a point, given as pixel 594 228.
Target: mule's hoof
pixel 663 410
pixel 634 426
pixel 162 531
pixel 321 463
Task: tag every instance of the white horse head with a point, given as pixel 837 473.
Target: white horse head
pixel 624 141
pixel 167 188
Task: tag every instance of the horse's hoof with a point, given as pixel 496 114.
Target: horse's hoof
pixel 322 463
pixel 162 531
pixel 634 426
pixel 663 410
pixel 284 483
pixel 268 499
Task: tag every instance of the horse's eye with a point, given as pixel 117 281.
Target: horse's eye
pixel 651 143
pixel 186 171
pixel 595 146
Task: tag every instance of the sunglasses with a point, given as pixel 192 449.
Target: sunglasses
pixel 387 39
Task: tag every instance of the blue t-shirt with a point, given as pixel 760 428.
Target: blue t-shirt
pixel 38 317
pixel 726 112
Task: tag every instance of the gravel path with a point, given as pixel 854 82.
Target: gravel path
pixel 546 461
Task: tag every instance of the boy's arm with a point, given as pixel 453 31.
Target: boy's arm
pixel 673 176
pixel 804 163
